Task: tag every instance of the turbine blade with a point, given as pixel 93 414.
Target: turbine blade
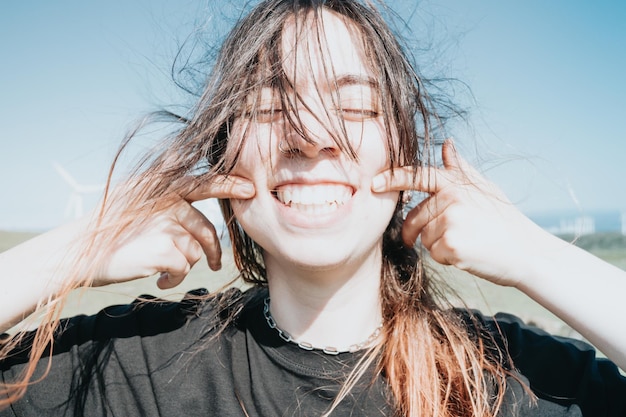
pixel 88 189
pixel 66 175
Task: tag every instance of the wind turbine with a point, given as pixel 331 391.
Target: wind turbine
pixel 74 208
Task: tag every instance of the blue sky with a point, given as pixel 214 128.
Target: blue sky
pixel 547 115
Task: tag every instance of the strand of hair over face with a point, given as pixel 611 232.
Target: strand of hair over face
pixel 430 361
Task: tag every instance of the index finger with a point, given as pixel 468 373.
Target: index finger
pixel 221 186
pixel 424 179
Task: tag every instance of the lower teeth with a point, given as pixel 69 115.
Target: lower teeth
pixel 314 208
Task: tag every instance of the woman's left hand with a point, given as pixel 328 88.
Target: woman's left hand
pixel 466 221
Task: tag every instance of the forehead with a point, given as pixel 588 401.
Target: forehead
pixel 322 46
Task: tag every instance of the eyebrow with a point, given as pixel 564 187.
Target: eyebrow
pixel 341 81
pixel 351 79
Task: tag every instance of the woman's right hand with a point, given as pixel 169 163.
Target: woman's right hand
pixel 169 242
pixel 174 239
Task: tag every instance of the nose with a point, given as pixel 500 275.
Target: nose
pixel 308 136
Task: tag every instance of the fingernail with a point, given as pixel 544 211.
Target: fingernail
pixel 378 183
pixel 162 280
pixel 247 189
pixel 451 144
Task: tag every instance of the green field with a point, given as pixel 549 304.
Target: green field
pixel 475 293
pixel 91 300
pixel 10 239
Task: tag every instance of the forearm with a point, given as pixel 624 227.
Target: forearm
pixel 584 291
pixel 467 222
pixel 36 270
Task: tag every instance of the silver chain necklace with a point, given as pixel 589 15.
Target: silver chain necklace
pixel 329 350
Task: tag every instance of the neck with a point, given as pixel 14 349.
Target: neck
pixel 337 306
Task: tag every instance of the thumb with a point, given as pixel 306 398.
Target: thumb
pixel 450 156
pixel 453 161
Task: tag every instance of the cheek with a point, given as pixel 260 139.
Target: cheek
pixel 372 147
pixel 239 208
pixel 246 212
pixel 252 143
pixel 387 203
pixel 244 216
pixel 250 216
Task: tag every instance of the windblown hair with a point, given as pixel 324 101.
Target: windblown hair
pixel 435 363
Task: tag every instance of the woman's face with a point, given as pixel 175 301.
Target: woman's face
pixel 313 206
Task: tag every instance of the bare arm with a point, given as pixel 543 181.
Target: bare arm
pixel 169 243
pixel 32 271
pixel 468 223
pixel 584 291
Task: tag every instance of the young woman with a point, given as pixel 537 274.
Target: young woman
pixel 310 130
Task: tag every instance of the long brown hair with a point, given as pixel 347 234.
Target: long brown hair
pixel 434 362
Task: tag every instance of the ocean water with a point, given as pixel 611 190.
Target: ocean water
pixel 578 222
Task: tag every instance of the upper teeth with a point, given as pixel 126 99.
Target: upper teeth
pixel 314 194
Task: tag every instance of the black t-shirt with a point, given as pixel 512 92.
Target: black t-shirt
pixel 159 359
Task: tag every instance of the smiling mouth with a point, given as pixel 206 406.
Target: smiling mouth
pixel 314 199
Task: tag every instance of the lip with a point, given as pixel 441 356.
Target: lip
pixel 313 214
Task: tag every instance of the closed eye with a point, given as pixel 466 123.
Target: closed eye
pixel 357 113
pixel 265 107
pixel 266 115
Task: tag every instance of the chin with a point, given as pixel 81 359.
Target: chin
pixel 322 260
pixel 324 254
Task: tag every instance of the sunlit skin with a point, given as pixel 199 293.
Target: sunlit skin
pixel 319 217
pixel 314 213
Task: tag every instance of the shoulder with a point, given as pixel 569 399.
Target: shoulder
pixel 144 322
pixel 558 369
